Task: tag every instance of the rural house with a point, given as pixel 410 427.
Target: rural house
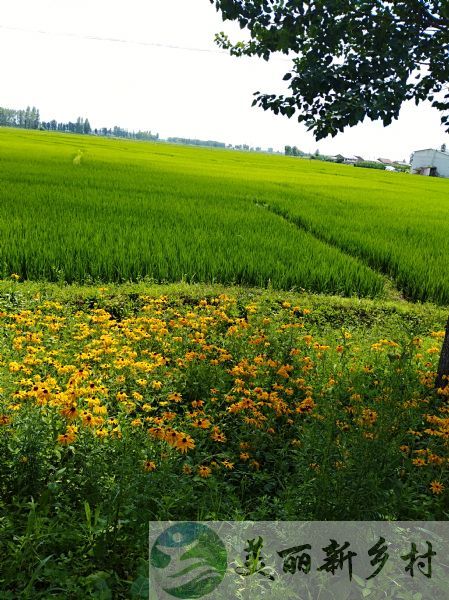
pixel 434 163
pixel 348 160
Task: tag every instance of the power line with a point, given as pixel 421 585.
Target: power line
pixel 110 39
pixel 121 41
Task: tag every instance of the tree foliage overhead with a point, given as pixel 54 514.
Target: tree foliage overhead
pixel 352 58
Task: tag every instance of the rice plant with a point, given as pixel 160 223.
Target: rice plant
pixel 80 209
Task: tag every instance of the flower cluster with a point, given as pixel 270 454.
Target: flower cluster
pixel 213 386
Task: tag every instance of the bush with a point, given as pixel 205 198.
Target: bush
pixel 367 164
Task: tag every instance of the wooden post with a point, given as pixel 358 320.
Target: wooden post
pixel 443 366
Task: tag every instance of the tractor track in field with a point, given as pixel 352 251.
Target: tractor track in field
pixel 391 290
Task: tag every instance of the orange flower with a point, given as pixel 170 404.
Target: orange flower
pixel 217 436
pixel 184 442
pixel 64 439
pixel 171 436
pixel 70 412
pixel 436 487
pixel 202 423
pixel 68 437
pixel 204 471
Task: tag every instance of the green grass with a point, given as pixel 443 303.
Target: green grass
pixel 82 209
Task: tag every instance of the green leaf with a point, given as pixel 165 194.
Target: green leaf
pixel 140 587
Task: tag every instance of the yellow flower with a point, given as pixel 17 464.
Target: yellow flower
pixel 184 442
pixel 156 385
pixel 204 471
pixel 217 436
pixel 436 487
pixel 87 418
pixel 70 411
pixel 68 437
pixel 149 466
pixel 201 423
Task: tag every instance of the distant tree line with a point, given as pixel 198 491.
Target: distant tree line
pixel 79 126
pixel 30 119
pixel 195 142
pixel 294 151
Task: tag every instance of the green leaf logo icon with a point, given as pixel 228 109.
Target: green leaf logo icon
pixel 188 560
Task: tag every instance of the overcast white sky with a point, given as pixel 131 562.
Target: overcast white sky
pixel 143 83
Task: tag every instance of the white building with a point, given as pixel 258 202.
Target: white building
pixel 431 162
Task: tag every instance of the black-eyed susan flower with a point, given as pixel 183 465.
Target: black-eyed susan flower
pixel 204 471
pixel 436 487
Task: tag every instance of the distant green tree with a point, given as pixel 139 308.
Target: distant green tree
pixel 27 118
pixel 288 150
pixel 35 118
pixel 79 126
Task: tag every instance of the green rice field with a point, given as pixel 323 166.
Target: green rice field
pixel 85 209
